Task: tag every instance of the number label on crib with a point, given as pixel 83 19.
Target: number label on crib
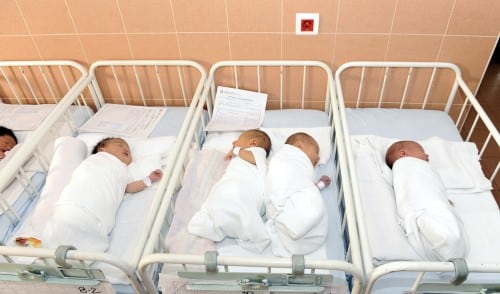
pixel 90 290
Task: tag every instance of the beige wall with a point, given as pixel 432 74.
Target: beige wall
pixel 460 31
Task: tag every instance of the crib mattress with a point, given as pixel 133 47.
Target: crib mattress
pixel 386 240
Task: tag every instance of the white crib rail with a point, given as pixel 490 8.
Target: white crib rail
pixel 146 82
pixel 466 121
pixel 196 127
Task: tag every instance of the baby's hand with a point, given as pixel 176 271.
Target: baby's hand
pixel 156 175
pixel 229 155
pixel 323 182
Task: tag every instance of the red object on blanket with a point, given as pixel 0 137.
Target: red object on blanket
pixel 28 241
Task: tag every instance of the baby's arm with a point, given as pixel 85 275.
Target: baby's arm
pixel 242 153
pixel 323 182
pixel 139 185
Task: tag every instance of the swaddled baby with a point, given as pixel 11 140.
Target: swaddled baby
pixel 85 213
pixel 297 217
pixel 429 220
pixel 235 204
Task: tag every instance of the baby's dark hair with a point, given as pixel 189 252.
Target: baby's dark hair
pixel 263 137
pixel 101 144
pixel 6 131
pixel 294 139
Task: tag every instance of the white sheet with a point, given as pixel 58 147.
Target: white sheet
pixel 412 124
pixel 190 199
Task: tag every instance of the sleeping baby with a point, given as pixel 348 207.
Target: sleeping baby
pixel 297 220
pixel 85 213
pixel 235 204
pixel 429 220
pixel 7 140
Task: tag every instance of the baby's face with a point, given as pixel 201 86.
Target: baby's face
pixel 243 141
pixel 6 144
pixel 414 149
pixel 119 148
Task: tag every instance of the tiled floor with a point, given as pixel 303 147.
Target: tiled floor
pixel 489 97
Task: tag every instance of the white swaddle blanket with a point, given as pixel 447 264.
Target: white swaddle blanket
pixel 86 211
pixel 297 218
pixel 430 222
pixel 235 205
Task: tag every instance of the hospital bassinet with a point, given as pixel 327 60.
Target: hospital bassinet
pixel 417 101
pixel 138 88
pixel 299 92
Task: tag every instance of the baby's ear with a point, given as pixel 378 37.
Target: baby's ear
pixel 254 142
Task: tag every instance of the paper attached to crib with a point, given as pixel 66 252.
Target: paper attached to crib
pixel 23 117
pixel 237 110
pixel 124 120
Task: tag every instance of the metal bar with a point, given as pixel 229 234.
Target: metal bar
pixel 408 77
pixel 117 82
pixel 429 86
pixel 48 84
pixel 139 86
pixel 158 78
pixel 26 80
pixel 382 89
pixel 360 89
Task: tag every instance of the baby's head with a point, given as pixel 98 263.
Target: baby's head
pixel 307 144
pixel 7 140
pixel 253 138
pixel 404 148
pixel 116 146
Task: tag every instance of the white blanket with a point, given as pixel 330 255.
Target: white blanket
pixel 235 205
pixel 86 211
pixel 297 218
pixel 430 222
pixel 457 163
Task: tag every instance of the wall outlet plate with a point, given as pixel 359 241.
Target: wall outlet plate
pixel 306 23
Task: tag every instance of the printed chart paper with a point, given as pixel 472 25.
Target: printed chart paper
pixel 23 117
pixel 237 110
pixel 124 120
